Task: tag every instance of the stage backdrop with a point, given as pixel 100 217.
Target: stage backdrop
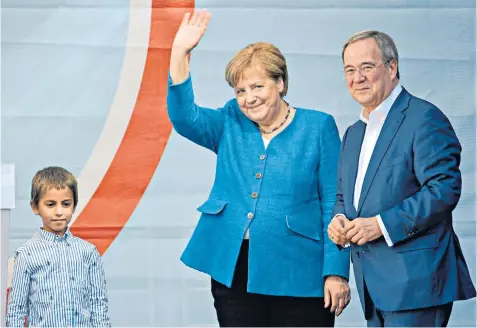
pixel 84 86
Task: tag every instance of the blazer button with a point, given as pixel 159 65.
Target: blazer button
pixel 250 215
pixel 258 175
pixel 254 195
pixel 262 157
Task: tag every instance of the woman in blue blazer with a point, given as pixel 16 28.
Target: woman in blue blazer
pixel 262 231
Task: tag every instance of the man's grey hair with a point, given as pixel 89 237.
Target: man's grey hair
pixel 384 41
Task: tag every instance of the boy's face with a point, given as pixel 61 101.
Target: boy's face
pixel 56 209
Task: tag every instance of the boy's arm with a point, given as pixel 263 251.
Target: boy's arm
pixel 99 293
pixel 18 296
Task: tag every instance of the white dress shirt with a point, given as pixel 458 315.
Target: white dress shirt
pixel 374 124
pixel 265 142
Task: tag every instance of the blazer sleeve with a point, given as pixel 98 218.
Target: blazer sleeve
pixel 339 204
pixel 203 126
pixel 436 164
pixel 336 262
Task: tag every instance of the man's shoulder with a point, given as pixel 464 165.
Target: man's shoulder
pixel 355 125
pixel 419 107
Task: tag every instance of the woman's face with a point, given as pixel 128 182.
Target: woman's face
pixel 258 95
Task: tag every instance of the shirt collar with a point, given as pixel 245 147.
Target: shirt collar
pixel 49 236
pixel 381 112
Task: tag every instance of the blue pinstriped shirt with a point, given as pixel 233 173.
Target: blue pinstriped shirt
pixel 58 282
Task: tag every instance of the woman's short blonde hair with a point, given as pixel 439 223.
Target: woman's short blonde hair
pixel 266 56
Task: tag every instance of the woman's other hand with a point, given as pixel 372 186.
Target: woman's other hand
pixel 337 294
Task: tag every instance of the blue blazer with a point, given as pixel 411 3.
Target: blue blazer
pixel 413 181
pixel 284 195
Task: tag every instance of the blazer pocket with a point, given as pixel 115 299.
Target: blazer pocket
pixel 419 242
pixel 212 206
pixel 304 225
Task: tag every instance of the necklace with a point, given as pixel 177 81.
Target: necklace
pixel 277 127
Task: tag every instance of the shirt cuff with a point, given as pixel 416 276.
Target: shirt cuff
pixel 384 231
pixel 339 214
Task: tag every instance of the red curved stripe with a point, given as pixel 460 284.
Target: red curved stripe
pixel 144 141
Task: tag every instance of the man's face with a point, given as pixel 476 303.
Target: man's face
pixel 369 79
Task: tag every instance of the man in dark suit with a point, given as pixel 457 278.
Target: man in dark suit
pixel 398 183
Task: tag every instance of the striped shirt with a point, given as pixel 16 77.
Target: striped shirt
pixel 58 282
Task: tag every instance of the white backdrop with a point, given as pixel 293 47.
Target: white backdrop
pixel 62 64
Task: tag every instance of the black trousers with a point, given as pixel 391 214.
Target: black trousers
pixel 237 308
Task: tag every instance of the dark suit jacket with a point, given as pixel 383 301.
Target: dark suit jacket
pixel 413 181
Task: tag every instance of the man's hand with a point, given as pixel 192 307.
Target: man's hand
pixel 338 228
pixel 364 230
pixel 337 294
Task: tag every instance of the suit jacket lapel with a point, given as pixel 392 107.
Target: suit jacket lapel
pixel 354 141
pixel 390 127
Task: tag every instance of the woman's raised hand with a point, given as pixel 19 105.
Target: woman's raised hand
pixel 190 31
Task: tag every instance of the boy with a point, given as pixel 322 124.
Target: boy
pixel 58 279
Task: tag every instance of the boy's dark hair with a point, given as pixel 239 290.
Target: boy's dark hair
pixel 53 177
